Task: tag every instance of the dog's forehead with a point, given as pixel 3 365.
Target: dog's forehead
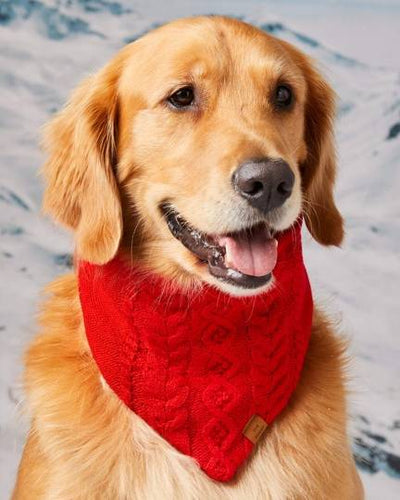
pixel 207 51
pixel 215 44
pixel 205 47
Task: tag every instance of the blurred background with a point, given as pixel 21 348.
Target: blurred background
pixel 47 47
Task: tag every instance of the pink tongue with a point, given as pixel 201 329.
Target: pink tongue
pixel 252 254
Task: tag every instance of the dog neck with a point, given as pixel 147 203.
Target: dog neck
pixel 209 372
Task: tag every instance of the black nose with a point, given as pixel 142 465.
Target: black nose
pixel 265 183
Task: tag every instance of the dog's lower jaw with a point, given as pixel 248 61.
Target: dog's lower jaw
pixel 190 274
pixel 232 289
pixel 236 291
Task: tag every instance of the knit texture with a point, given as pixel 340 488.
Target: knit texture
pixel 197 367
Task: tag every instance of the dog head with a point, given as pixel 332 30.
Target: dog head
pixel 191 149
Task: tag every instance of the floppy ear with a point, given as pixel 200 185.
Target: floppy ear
pixel 319 168
pixel 81 190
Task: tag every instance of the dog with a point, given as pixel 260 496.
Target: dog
pixel 205 135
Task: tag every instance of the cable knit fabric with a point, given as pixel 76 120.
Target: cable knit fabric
pixel 197 366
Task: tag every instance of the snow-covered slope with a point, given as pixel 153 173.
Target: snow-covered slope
pixel 47 47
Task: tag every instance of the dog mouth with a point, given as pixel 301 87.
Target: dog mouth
pixel 245 258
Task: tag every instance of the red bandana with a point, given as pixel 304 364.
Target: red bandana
pixel 209 371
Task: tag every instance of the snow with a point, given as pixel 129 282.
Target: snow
pixel 48 47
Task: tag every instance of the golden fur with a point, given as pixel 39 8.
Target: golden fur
pixel 114 153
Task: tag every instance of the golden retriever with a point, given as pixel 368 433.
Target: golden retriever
pixel 171 117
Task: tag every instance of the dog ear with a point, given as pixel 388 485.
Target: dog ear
pixel 319 168
pixel 81 189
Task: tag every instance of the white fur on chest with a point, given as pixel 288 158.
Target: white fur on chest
pixel 169 474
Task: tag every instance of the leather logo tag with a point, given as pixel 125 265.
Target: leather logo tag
pixel 254 428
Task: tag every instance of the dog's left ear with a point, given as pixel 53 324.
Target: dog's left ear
pixel 319 168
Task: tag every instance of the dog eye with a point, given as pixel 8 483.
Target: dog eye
pixel 182 98
pixel 283 96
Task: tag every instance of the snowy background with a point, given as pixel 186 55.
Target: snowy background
pixel 47 47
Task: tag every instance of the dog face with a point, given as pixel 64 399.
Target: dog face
pixel 191 149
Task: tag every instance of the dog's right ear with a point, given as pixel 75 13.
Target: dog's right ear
pixel 81 189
